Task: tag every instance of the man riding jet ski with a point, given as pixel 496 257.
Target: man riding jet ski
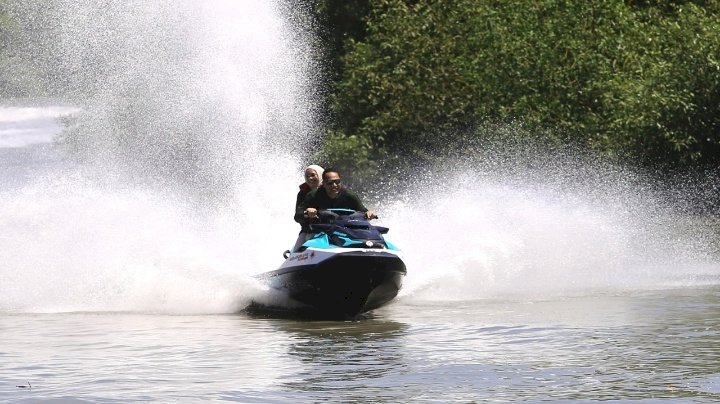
pixel 346 268
pixel 331 195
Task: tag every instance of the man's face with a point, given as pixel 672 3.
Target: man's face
pixel 331 183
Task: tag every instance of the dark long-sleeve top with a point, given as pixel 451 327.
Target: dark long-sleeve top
pixel 304 191
pixel 320 200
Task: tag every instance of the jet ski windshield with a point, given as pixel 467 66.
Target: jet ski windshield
pixel 348 228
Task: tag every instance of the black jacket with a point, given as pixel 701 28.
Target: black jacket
pixel 304 191
pixel 320 200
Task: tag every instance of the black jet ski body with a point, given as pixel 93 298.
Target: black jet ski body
pixel 346 269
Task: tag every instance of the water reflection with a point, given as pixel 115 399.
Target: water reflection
pixel 345 355
pixel 660 345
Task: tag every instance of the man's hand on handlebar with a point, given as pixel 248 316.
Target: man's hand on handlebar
pixel 312 213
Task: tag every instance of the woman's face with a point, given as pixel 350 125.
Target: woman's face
pixel 311 178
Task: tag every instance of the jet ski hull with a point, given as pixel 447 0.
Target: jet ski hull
pixel 339 285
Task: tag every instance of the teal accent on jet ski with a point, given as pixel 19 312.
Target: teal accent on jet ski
pixel 320 240
pixel 347 231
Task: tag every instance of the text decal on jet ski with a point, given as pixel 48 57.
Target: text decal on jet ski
pixel 302 257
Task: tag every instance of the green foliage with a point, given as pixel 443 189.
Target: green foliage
pixel 21 73
pixel 637 80
pixel 411 74
pixel 11 66
pixel 340 21
pixel 351 154
pixel 670 103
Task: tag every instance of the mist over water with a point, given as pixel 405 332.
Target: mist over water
pixel 193 115
pixel 477 234
pixel 182 168
pixel 524 218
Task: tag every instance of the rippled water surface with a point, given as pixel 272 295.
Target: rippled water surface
pixel 660 345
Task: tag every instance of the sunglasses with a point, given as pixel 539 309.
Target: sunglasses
pixel 332 182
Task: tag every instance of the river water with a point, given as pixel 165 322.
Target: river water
pixel 146 320
pixel 651 346
pixel 128 244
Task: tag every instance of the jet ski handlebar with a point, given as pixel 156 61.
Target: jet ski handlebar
pixel 329 215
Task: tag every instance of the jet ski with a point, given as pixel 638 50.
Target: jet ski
pixel 347 268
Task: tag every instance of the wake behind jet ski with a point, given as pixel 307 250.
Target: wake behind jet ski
pixel 347 268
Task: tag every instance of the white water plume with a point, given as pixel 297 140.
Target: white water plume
pixel 193 113
pixel 180 93
pixel 68 246
pixel 488 234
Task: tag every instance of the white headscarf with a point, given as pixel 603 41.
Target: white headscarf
pixel 318 170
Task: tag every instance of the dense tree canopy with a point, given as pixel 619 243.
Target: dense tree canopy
pixel 635 79
pixel 11 61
